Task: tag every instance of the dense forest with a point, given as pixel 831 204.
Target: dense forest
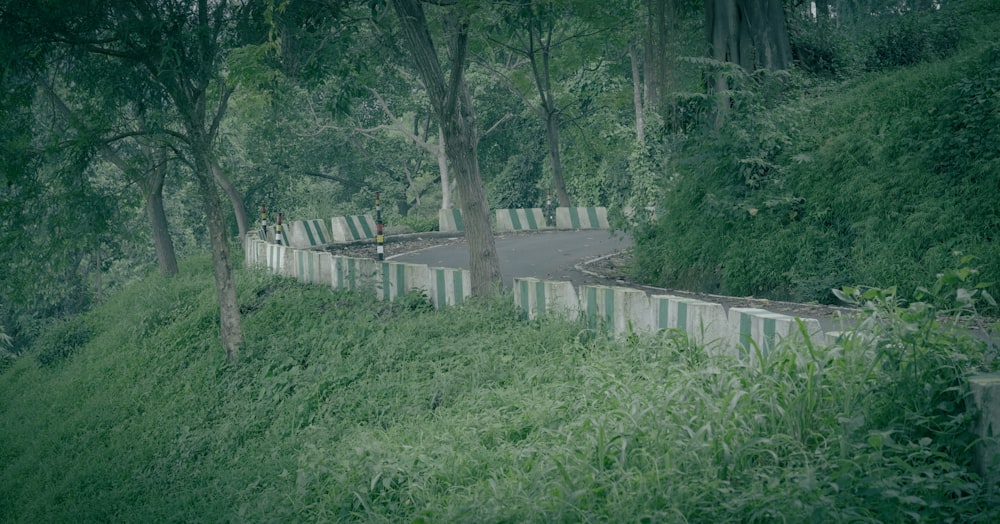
pixel 765 147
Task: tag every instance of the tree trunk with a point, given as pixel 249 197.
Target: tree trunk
pixel 764 21
pixel 455 114
pixel 225 284
pixel 235 198
pixel 442 158
pixel 552 135
pixel 640 131
pixel 165 254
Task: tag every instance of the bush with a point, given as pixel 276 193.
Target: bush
pixel 911 39
pixel 61 340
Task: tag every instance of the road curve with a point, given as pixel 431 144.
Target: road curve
pixel 550 255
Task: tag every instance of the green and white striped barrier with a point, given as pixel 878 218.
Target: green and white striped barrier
pixel 620 310
pixel 450 220
pixel 397 278
pixel 307 233
pixel 760 328
pixel 543 297
pixel 521 220
pixel 277 258
pixel 582 218
pixel 704 322
pixel 312 267
pixel 451 286
pixel 352 228
pixel 353 273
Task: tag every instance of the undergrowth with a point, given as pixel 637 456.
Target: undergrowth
pixel 344 408
pixel 867 179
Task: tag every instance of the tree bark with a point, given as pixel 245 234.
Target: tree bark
pixel 442 159
pixel 640 131
pixel 235 198
pixel 453 108
pixel 225 285
pixel 548 109
pixel 165 254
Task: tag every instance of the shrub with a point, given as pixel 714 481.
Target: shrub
pixel 911 39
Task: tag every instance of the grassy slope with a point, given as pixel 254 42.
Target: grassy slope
pixel 877 181
pixel 344 408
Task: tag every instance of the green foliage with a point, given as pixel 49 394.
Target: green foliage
pixel 874 181
pixel 347 408
pixel 912 38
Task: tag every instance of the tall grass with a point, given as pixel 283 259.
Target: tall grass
pixel 349 409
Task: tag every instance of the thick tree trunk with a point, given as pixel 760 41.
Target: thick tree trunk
pixel 765 24
pixel 455 114
pixel 165 254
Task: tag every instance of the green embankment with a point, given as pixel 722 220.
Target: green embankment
pixel 343 408
pixel 872 181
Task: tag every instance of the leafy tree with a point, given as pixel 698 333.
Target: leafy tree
pixel 452 103
pixel 175 49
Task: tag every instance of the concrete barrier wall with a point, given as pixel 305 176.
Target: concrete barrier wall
pixel 582 218
pixel 542 297
pixel 704 322
pixel 521 219
pixel 754 330
pixel 308 233
pixel 353 273
pixel 352 228
pixel 450 220
pixel 397 278
pixel 618 310
pixel 312 267
pixel 450 286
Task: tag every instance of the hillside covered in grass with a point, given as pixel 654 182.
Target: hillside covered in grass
pixel 348 409
pixel 876 175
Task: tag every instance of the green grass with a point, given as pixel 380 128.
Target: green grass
pixel 348 409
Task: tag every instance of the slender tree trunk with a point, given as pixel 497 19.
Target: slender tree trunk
pixel 640 131
pixel 165 254
pixel 552 135
pixel 442 159
pixel 455 114
pixel 225 285
pixel 235 198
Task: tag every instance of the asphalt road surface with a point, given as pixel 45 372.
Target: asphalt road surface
pixel 549 255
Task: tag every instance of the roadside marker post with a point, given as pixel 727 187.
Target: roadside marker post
pixel 277 230
pixel 379 237
pixel 263 222
pixel 550 213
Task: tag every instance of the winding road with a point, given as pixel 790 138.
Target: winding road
pixel 549 255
